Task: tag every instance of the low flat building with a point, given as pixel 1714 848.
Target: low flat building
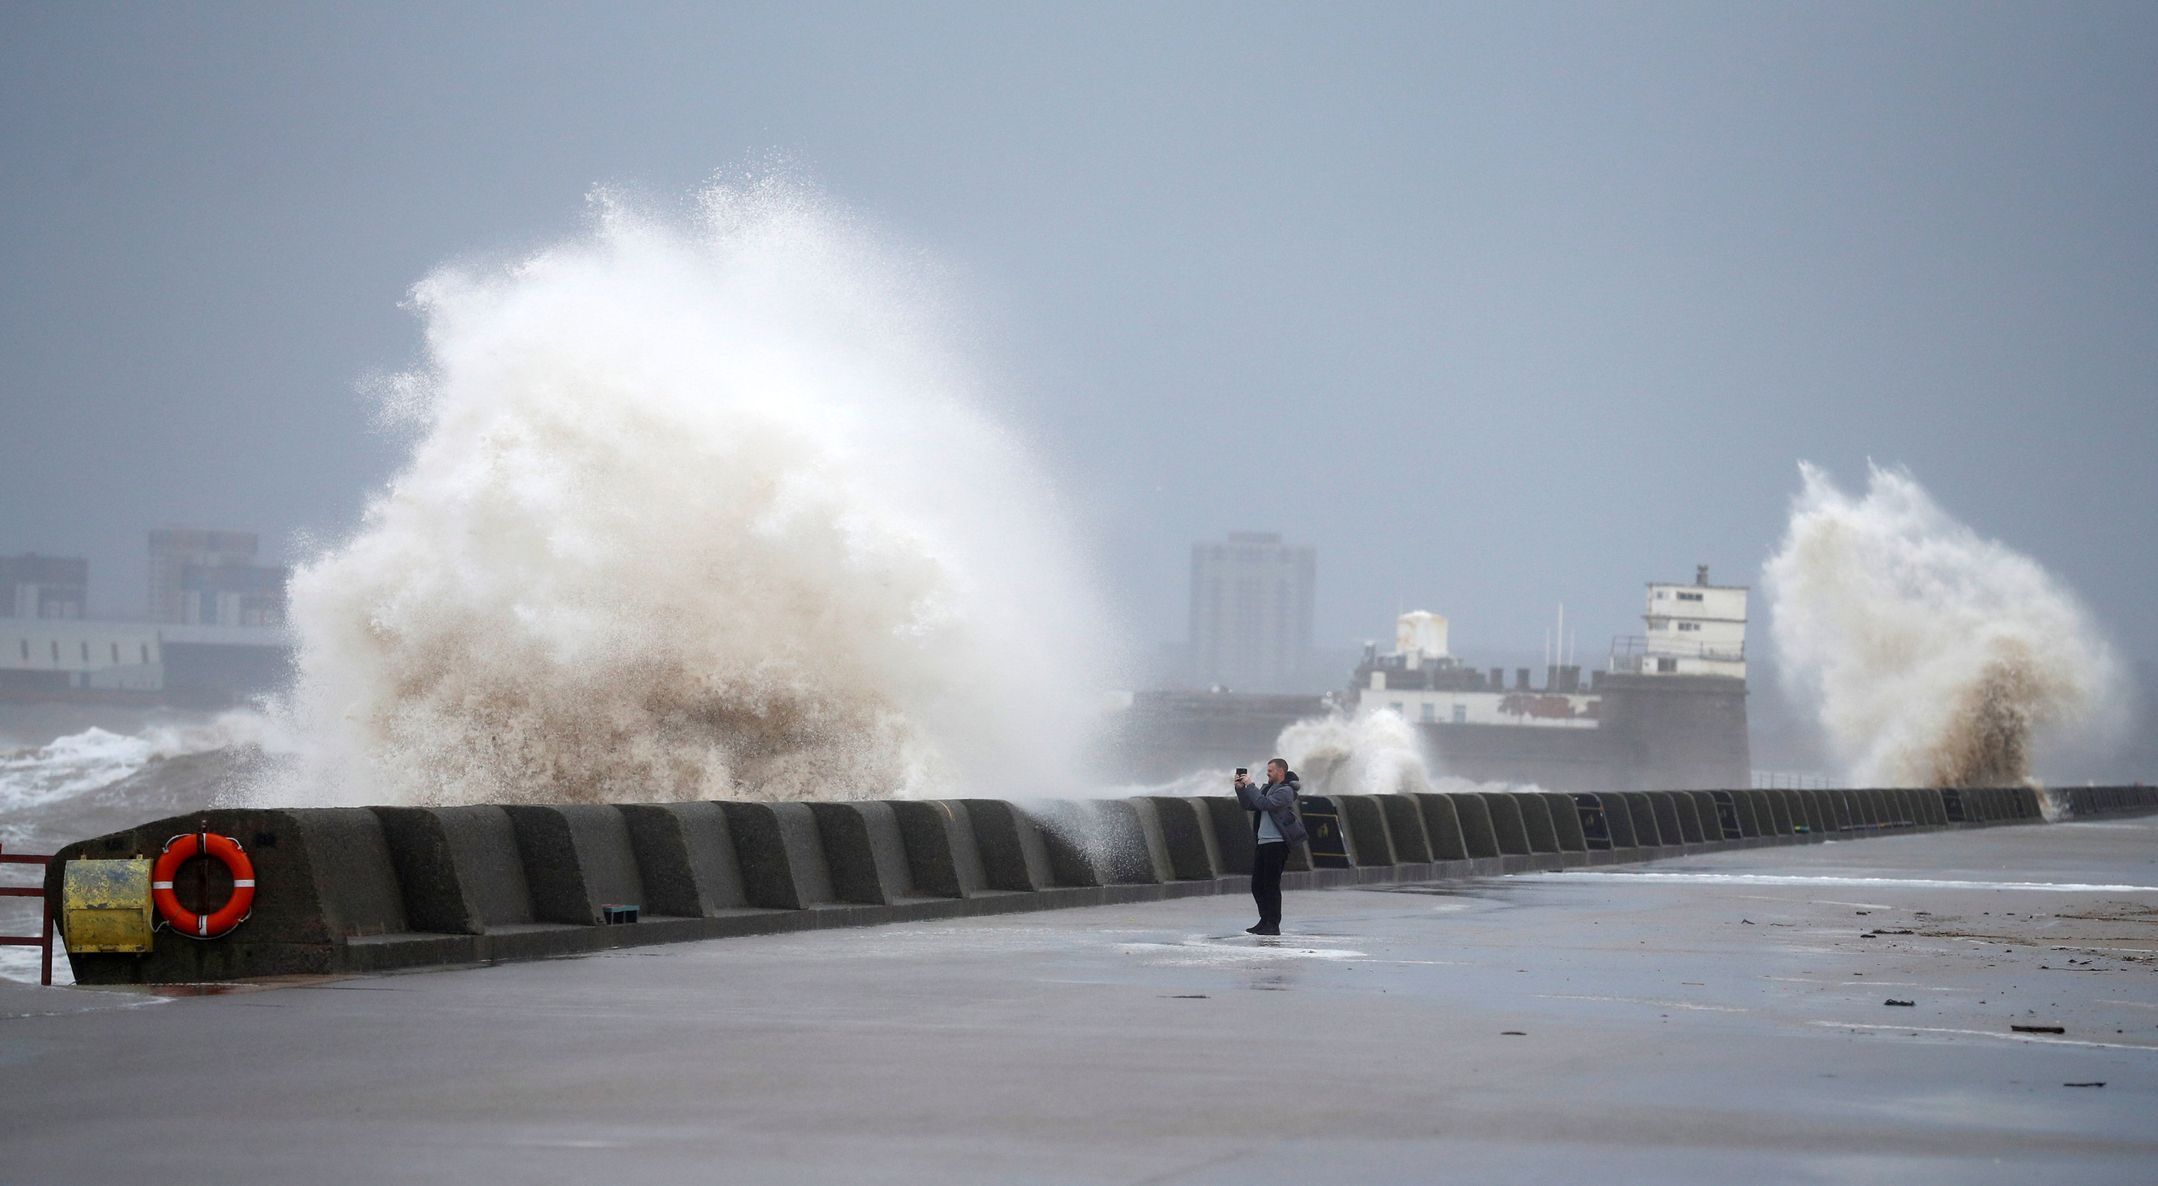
pixel 140 662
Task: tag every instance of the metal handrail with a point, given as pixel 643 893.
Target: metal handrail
pixel 43 939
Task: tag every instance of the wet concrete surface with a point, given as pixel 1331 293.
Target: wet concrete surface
pixel 1698 1020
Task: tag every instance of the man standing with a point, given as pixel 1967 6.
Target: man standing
pixel 1274 827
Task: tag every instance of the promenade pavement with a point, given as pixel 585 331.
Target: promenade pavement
pixel 1713 1019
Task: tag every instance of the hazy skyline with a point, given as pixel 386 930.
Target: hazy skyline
pixel 1496 307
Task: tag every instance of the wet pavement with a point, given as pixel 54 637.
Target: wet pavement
pixel 1693 1020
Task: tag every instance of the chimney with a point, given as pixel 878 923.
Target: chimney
pixel 1700 574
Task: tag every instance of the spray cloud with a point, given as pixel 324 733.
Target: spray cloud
pixel 1937 657
pixel 698 507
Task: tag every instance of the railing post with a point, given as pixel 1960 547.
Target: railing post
pixel 44 976
pixel 43 939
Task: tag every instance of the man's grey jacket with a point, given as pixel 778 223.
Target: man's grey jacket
pixel 1278 800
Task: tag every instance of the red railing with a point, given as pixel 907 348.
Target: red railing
pixel 43 939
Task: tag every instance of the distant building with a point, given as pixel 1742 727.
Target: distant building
pixel 33 586
pixel 1251 612
pixel 1670 714
pixel 1697 629
pixel 140 662
pixel 232 595
pixel 210 578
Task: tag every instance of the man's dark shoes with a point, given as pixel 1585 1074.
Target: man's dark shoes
pixel 1262 930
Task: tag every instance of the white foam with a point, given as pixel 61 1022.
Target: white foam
pixel 40 776
pixel 1935 657
pixel 698 508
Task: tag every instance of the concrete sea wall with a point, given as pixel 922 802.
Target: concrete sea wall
pixel 346 890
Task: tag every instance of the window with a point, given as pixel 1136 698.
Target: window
pixel 56 650
pixel 1461 714
pixel 116 654
pixel 1667 665
pixel 1431 711
pixel 1396 706
pixel 146 654
pixel 1689 597
pixel 86 651
pixel 1695 626
pixel 26 650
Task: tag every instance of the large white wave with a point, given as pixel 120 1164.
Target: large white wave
pixel 1374 751
pixel 1936 657
pixel 699 507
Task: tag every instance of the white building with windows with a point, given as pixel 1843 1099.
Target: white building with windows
pixel 1696 629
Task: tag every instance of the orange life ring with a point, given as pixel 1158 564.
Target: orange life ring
pixel 234 912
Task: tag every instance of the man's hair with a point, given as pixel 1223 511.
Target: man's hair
pixel 1281 762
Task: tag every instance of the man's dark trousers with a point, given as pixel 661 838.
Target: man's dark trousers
pixel 1266 864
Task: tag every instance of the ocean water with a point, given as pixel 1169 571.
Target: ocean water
pixel 56 789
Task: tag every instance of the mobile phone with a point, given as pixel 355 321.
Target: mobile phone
pixel 1241 772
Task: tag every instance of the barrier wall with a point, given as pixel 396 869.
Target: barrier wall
pixel 341 890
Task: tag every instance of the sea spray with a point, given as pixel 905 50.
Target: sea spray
pixel 697 508
pixel 1374 751
pixel 1936 657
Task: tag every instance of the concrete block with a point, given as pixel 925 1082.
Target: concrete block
pixel 1930 806
pixel 1443 826
pixel 1900 811
pixel 1405 826
pixel 1864 812
pixel 1779 812
pixel 687 857
pixel 1923 804
pixel 1074 859
pixel 1958 810
pixel 1231 825
pixel 1506 822
pixel 1668 823
pixel 459 867
pixel 1648 829
pixel 781 855
pixel 1712 826
pixel 1813 814
pixel 1094 842
pixel 2026 800
pixel 1566 820
pixel 1689 817
pixel 864 852
pixel 1874 810
pixel 1838 810
pixel 943 856
pixel 1595 826
pixel 577 858
pixel 1363 826
pixel 1744 801
pixel 1619 820
pixel 1764 813
pixel 1150 857
pixel 322 875
pixel 1536 821
pixel 1477 831
pixel 1187 831
pixel 1015 856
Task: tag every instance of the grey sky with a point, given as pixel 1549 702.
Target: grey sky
pixel 1534 303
